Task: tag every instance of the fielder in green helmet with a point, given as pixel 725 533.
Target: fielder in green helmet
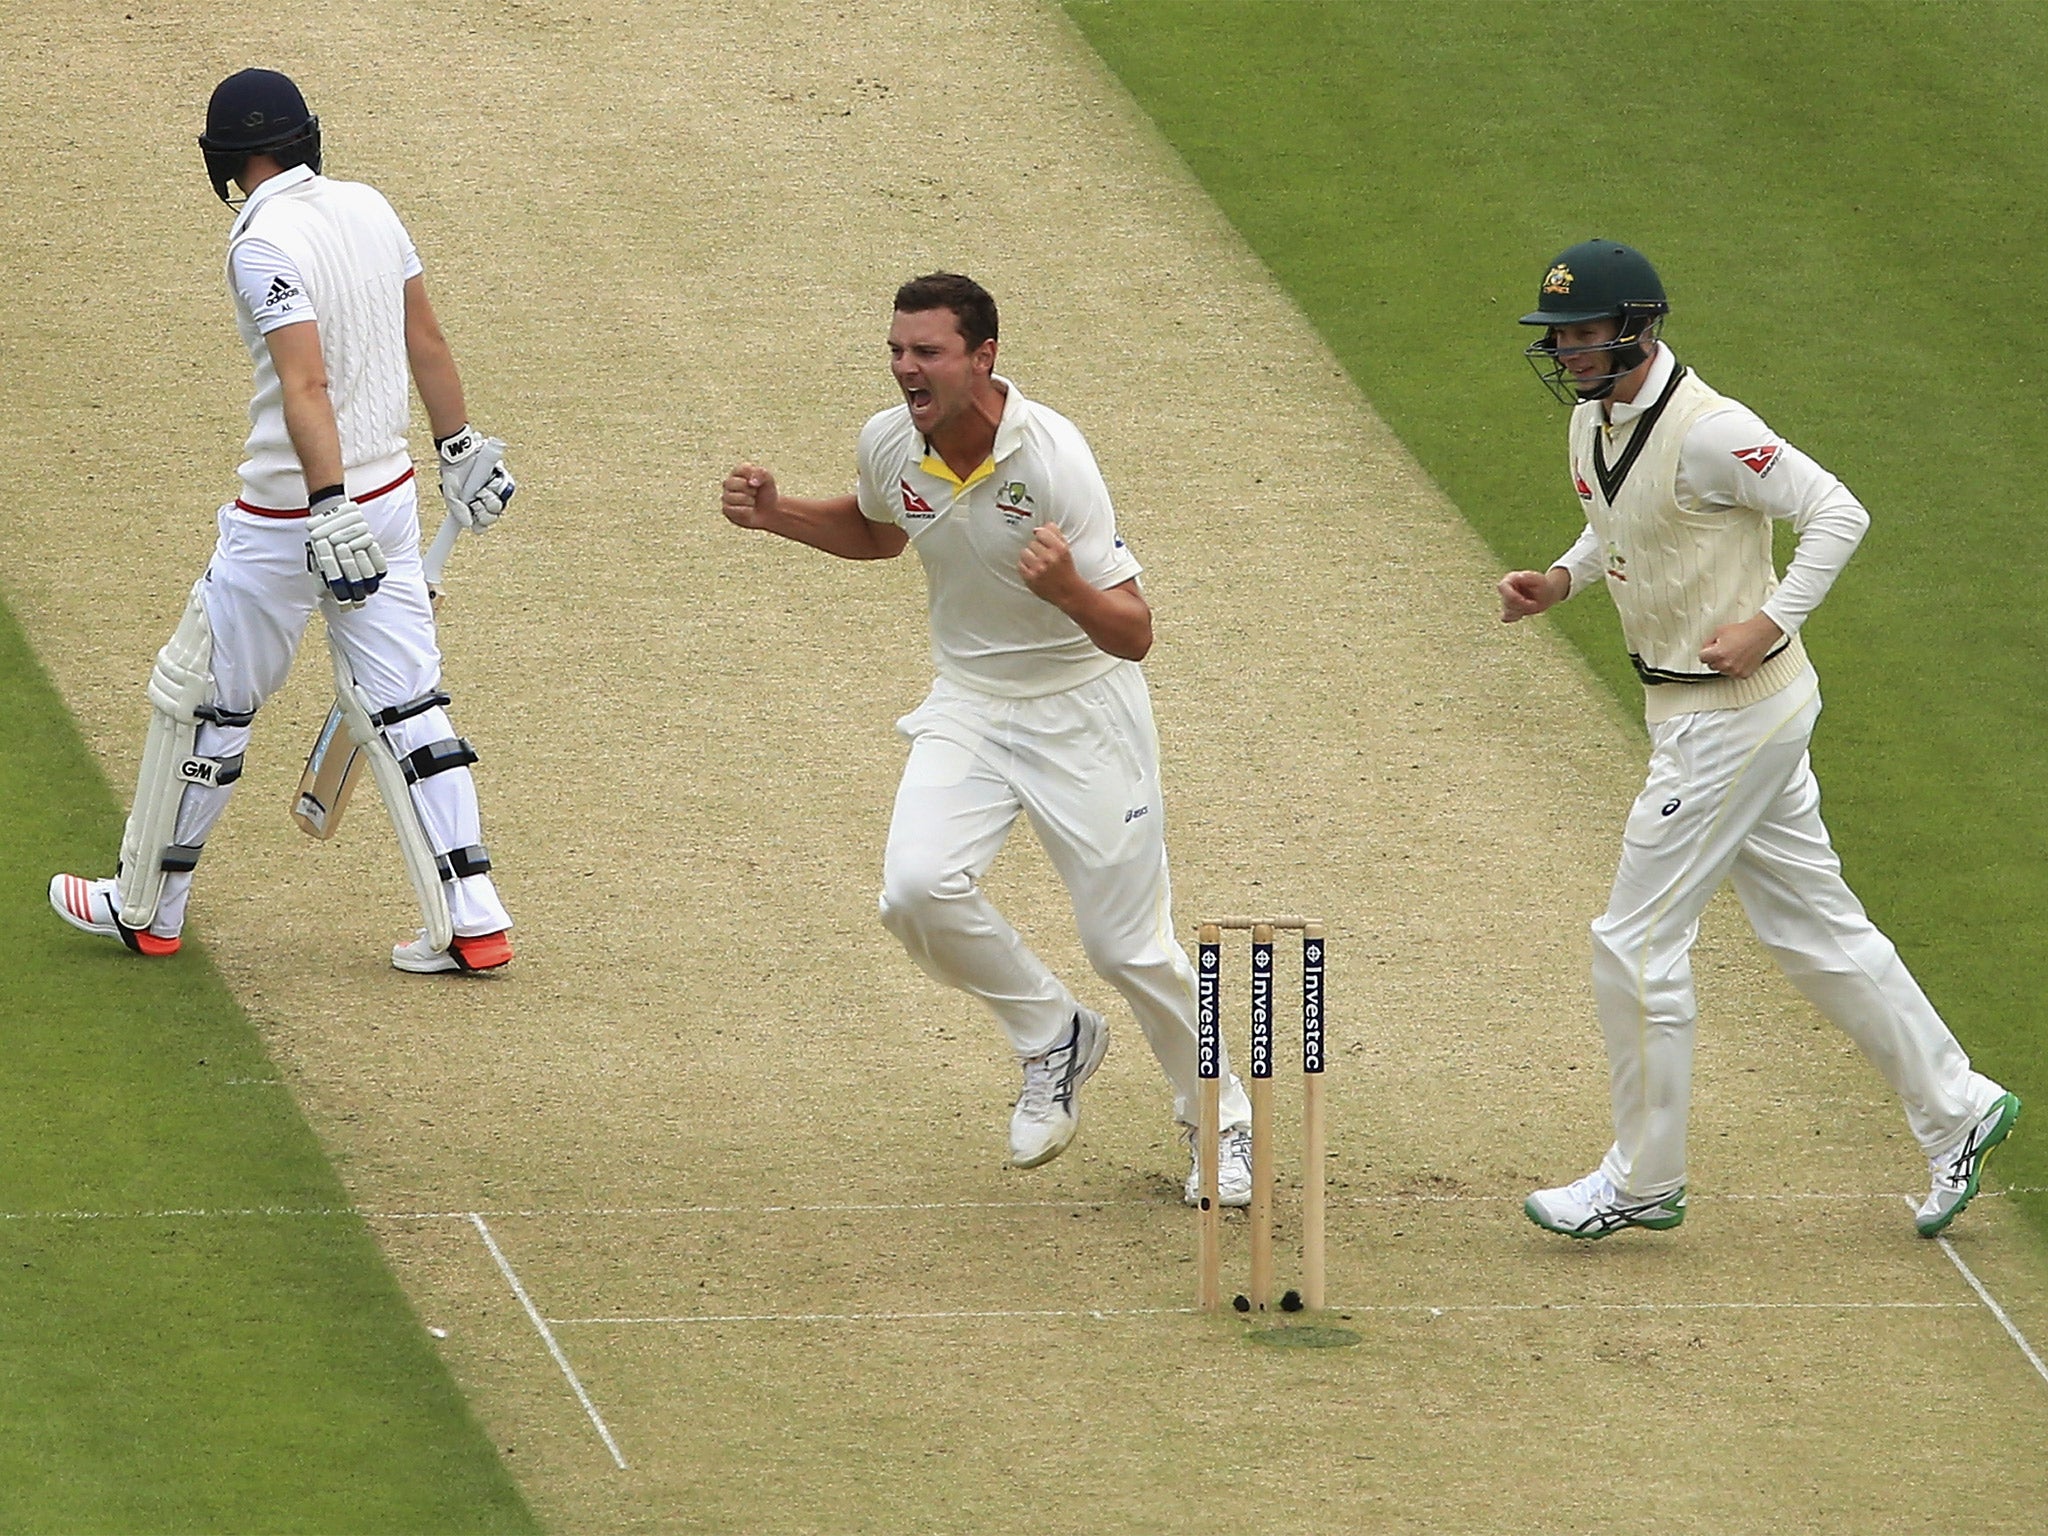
pixel 1680 487
pixel 1595 282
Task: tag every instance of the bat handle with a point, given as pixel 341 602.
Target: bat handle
pixel 438 552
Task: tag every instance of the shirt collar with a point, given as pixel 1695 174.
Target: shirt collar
pixel 282 181
pixel 1010 430
pixel 1620 413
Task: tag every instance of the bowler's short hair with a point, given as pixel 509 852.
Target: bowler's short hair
pixel 973 310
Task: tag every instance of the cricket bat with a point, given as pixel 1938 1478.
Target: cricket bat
pixel 336 762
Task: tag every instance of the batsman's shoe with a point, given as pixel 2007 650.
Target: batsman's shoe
pixel 1593 1207
pixel 1048 1111
pixel 92 907
pixel 1956 1171
pixel 1233 1167
pixel 473 952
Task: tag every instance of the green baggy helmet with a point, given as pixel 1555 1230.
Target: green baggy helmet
pixel 1595 280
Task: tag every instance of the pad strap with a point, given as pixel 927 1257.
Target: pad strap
pixel 214 714
pixel 386 718
pixel 437 757
pixel 461 863
pixel 181 858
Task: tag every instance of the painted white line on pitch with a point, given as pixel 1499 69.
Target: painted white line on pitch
pixel 1983 1295
pixel 548 1337
pixel 826 1208
pixel 1100 1314
pixel 1106 1313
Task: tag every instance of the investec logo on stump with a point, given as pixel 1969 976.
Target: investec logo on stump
pixel 1262 1010
pixel 1208 1039
pixel 1312 1005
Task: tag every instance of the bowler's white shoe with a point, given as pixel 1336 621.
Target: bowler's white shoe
pixel 1957 1170
pixel 94 906
pixel 475 952
pixel 1593 1207
pixel 1233 1167
pixel 1048 1111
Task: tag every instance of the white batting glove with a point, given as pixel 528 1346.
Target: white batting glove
pixel 474 481
pixel 341 550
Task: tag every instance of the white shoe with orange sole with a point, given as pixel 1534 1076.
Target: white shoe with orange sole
pixel 471 952
pixel 91 906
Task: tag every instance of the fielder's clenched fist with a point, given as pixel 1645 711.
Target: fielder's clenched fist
pixel 1737 650
pixel 1047 565
pixel 1524 594
pixel 750 499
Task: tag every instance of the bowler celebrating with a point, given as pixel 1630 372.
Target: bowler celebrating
pixel 1037 628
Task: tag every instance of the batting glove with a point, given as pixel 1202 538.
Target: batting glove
pixel 341 550
pixel 474 481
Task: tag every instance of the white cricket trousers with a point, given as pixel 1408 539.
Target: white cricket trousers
pixel 259 596
pixel 1731 796
pixel 1083 764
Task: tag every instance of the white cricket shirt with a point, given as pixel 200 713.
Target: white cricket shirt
pixel 989 632
pixel 333 252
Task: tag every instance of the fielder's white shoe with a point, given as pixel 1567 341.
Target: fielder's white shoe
pixel 1593 1207
pixel 1956 1171
pixel 1048 1111
pixel 476 952
pixel 91 906
pixel 1233 1167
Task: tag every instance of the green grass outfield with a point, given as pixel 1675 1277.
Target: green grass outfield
pixel 164 1373
pixel 1849 206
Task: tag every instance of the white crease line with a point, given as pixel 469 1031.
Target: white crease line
pixel 544 1213
pixel 1104 1313
pixel 1100 1313
pixel 1984 1296
pixel 548 1337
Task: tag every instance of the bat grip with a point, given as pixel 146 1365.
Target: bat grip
pixel 438 552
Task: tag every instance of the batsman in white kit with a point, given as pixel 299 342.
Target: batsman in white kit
pixel 1680 487
pixel 1039 707
pixel 331 302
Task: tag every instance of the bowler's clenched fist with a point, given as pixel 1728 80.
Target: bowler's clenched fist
pixel 1047 564
pixel 750 498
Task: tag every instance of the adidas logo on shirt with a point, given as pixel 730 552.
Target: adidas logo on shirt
pixel 282 291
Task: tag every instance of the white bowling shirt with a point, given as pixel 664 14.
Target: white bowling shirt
pixel 989 632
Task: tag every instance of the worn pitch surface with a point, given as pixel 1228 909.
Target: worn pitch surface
pixel 747 1160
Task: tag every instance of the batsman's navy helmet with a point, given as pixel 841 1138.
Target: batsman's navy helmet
pixel 257 111
pixel 1596 280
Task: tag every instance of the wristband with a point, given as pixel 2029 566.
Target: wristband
pixel 326 493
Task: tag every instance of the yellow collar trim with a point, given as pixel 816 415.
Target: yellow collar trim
pixel 939 469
